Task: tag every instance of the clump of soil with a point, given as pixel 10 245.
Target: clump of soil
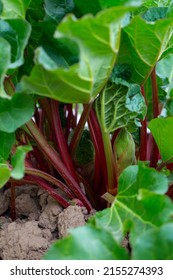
pixel 40 221
pixel 21 240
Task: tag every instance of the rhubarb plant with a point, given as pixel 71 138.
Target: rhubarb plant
pixel 86 114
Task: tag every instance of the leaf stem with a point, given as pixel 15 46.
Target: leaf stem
pixel 53 157
pixel 100 158
pixel 50 179
pixel 110 163
pixel 60 138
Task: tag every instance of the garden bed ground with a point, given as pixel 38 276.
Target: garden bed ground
pixel 40 220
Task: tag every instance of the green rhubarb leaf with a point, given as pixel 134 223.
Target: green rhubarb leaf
pixel 119 106
pixel 98 40
pixel 4 174
pixel 16 32
pixel 141 203
pixel 5 57
pixel 145 42
pixel 14 8
pixel 18 162
pixel 161 129
pixel 154 244
pixel 87 243
pixel 57 9
pixel 107 220
pixel 7 140
pixel 20 110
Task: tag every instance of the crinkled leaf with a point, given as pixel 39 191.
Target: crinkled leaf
pixel 165 71
pixel 157 3
pixel 4 174
pixel 20 110
pixel 18 160
pixel 5 57
pixel 16 32
pixel 90 243
pixel 121 71
pixel 98 41
pixel 154 244
pixel 135 101
pixel 57 9
pixel 119 106
pixel 7 140
pixel 14 8
pixel 145 42
pixel 154 14
pixel 162 131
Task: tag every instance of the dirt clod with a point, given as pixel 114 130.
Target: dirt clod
pixel 40 222
pixel 70 217
pixel 23 241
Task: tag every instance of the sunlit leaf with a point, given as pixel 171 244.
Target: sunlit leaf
pixel 98 40
pixel 142 45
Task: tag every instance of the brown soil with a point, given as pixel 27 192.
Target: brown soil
pixel 40 221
